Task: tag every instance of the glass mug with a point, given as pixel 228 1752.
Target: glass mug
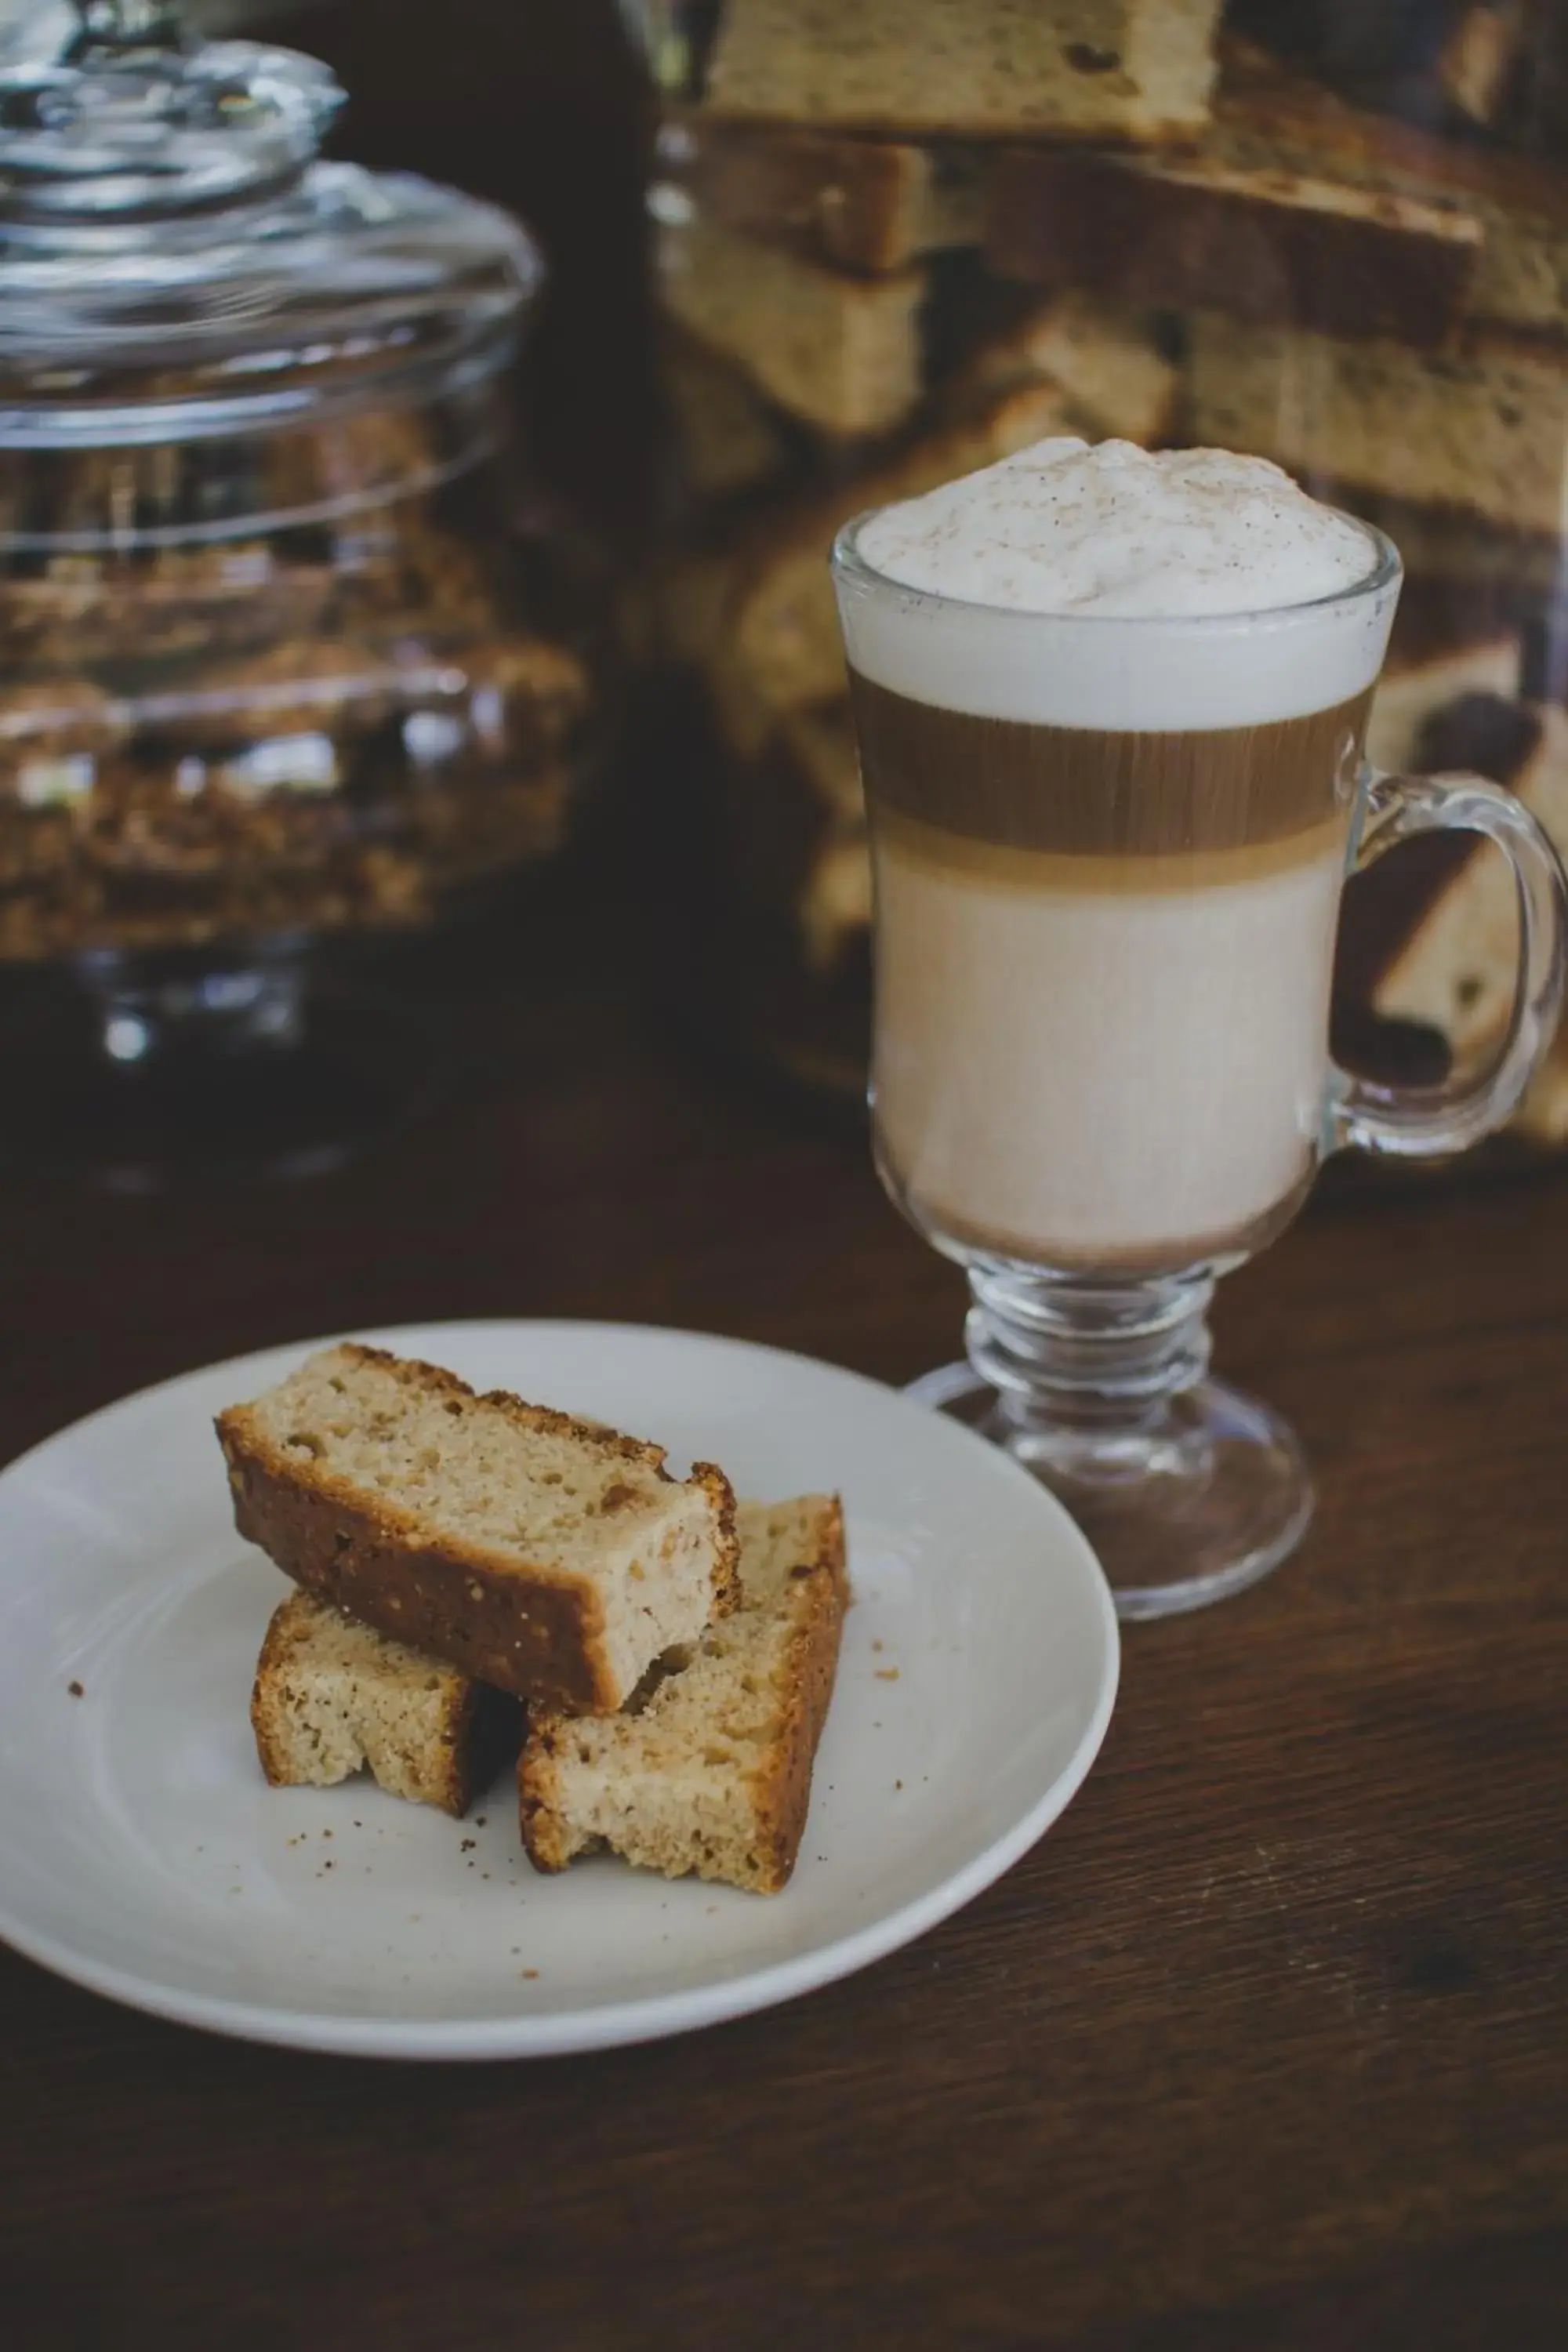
pixel 1108 856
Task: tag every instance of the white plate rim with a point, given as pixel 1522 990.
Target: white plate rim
pixel 656 2017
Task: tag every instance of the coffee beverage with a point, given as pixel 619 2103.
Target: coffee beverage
pixel 1103 1053
pixel 1110 709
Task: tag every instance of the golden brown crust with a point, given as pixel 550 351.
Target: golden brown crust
pixel 540 1816
pixel 784 1784
pixel 275 1650
pixel 727 1559
pixel 538 1419
pixel 538 1634
pixel 534 1636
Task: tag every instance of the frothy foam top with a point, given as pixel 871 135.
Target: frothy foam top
pixel 1111 532
pixel 1067 528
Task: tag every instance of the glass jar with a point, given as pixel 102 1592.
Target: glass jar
pixel 264 680
pixel 1329 234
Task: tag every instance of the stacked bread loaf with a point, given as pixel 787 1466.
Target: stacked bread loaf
pixel 1379 306
pixel 893 244
pixel 477 1576
pixel 832 338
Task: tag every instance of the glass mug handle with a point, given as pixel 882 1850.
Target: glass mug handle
pixel 1421 1122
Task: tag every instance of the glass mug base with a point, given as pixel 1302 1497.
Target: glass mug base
pixel 1099 1387
pixel 1200 1498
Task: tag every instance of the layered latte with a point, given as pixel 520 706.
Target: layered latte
pixel 1110 709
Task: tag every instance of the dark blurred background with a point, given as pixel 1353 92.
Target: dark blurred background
pixel 539 106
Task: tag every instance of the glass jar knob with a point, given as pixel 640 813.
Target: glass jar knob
pixel 136 118
pixel 122 25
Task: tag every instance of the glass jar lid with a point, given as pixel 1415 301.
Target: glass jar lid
pixel 175 261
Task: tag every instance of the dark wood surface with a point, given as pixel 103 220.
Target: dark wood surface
pixel 1264 2046
pixel 1263 2050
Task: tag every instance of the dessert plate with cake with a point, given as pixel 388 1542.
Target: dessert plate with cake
pixel 352 1702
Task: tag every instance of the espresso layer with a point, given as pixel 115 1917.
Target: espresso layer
pixel 1084 792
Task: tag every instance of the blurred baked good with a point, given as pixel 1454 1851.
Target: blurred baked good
pixel 863 205
pixel 841 352
pixel 1137 69
pixel 1481 429
pixel 1456 969
pixel 726 436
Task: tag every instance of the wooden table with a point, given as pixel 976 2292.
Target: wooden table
pixel 1264 2046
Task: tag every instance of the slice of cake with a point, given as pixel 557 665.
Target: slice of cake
pixel 986 69
pixel 842 353
pixel 1263 243
pixel 1449 548
pixel 1420 679
pixel 780 617
pixel 547 1556
pixel 1106 359
pixel 834 906
pixel 711 1772
pixel 863 205
pixel 1454 972
pixel 333 1696
pixel 825 755
pixel 1542 1115
pixel 726 436
pixel 1482 427
pixel 1271 120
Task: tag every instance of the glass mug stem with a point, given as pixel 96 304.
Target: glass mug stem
pixel 1086 1357
pixel 1100 1390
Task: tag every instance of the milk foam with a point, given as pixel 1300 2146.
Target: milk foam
pixel 1067 528
pixel 1105 586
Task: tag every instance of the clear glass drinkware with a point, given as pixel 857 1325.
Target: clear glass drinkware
pixel 1109 857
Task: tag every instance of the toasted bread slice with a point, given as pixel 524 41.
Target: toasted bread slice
pixel 547 1556
pixel 711 1773
pixel 333 1696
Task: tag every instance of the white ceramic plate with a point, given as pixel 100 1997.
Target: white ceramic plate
pixel 141 1855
